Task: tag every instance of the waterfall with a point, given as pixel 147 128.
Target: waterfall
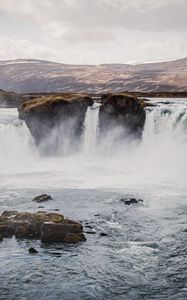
pixel 91 125
pixel 15 139
pixel 166 121
pixel 161 153
pixel 165 129
pixel 164 141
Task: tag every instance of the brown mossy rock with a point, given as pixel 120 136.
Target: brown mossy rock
pixel 124 111
pixel 49 227
pixel 9 213
pixel 6 230
pixel 24 231
pixel 43 115
pixel 66 233
pixel 45 103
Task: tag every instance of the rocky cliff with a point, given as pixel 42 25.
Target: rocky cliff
pixel 122 111
pixel 8 99
pixel 56 120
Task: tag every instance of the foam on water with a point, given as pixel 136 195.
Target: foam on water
pixel 143 254
pixel 114 163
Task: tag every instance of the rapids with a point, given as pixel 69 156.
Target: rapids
pixel 144 255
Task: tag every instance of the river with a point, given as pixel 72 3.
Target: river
pixel 144 253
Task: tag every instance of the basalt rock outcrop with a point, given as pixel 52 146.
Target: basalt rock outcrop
pixel 123 111
pixel 59 118
pixel 48 227
pixel 9 99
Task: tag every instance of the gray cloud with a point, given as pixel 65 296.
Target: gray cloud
pixel 135 14
pixel 16 48
pixel 95 30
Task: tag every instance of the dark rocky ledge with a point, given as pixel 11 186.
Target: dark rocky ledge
pixel 46 114
pixel 10 99
pixel 124 111
pixel 48 227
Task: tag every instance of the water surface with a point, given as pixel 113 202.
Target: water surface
pixel 144 253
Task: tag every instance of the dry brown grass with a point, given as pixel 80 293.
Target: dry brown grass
pixel 47 101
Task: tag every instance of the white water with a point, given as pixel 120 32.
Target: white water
pixel 15 141
pixel 159 159
pixel 144 254
pixel 91 126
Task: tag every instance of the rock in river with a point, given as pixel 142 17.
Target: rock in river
pixel 129 201
pixel 103 234
pixel 32 251
pixel 42 198
pixel 49 227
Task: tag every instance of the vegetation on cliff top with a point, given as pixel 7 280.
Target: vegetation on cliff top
pixel 52 100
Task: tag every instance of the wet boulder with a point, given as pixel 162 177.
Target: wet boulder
pixel 129 201
pixel 6 230
pixel 70 232
pixel 122 111
pixel 103 234
pixel 32 251
pixel 9 213
pixel 54 120
pixel 42 198
pixel 49 227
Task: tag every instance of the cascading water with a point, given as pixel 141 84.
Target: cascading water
pixel 166 119
pixel 164 139
pixel 143 255
pixel 161 152
pixel 91 126
pixel 15 140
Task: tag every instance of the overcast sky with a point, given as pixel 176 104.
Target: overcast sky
pixel 93 31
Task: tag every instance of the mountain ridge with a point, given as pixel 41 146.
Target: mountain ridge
pixel 32 75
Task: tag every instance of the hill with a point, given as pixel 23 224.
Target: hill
pixel 27 76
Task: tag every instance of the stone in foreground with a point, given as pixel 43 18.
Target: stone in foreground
pixel 67 233
pixel 48 227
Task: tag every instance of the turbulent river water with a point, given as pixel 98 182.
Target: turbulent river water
pixel 144 255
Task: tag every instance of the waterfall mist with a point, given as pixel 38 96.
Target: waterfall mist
pixel 98 162
pixel 143 250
